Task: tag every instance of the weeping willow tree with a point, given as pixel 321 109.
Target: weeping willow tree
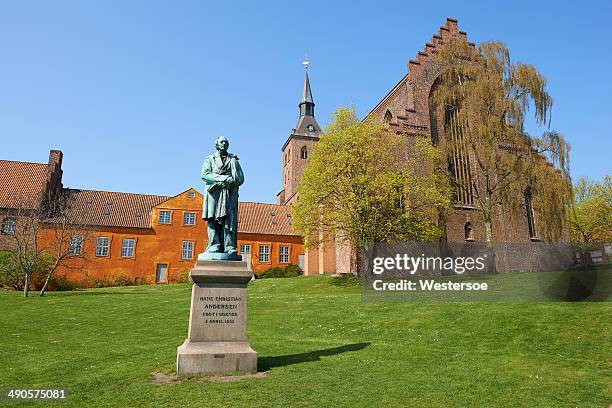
pixel 484 99
pixel 365 184
pixel 591 218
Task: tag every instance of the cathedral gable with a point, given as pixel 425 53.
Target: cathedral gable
pixel 406 108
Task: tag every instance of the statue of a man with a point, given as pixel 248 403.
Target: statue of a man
pixel 223 175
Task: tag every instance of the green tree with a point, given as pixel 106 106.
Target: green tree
pixel 591 218
pixel 484 98
pixel 10 275
pixel 365 184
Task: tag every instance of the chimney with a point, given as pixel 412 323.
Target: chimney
pixel 54 170
pixel 55 157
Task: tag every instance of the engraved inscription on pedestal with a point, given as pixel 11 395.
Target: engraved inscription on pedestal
pixel 217 338
pixel 218 317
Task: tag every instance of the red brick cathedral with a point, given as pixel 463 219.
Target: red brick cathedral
pixel 407 108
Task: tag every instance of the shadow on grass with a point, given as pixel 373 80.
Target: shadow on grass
pixel 580 285
pixel 267 363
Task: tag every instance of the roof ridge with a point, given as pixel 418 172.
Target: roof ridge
pixel 24 162
pixel 117 192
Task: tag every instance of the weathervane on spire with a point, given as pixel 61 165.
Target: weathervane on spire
pixel 306 62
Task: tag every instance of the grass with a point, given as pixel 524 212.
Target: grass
pixel 320 343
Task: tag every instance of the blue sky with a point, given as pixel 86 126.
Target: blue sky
pixel 135 92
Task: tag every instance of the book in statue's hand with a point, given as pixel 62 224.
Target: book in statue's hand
pixel 214 187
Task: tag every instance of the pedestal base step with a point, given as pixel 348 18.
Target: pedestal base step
pixel 215 358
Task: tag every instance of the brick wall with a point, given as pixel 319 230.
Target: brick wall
pixel 293 165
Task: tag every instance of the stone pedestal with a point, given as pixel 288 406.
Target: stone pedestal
pixel 217 338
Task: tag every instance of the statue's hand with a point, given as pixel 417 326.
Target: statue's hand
pixel 228 182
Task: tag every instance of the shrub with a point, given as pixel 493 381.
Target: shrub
pixel 122 280
pixel 345 280
pixel 273 273
pixel 292 270
pixel 139 281
pixel 100 283
pixel 61 283
pixel 183 277
pixel 9 273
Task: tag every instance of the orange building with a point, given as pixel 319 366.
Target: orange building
pixel 156 239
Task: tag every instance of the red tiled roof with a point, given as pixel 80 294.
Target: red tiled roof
pixel 21 183
pixel 112 209
pixel 260 218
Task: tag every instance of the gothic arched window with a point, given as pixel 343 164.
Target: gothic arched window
pixel 388 117
pixel 459 161
pixel 304 152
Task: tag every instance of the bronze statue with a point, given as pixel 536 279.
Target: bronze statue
pixel 223 175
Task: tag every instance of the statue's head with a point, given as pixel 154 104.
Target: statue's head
pixel 222 144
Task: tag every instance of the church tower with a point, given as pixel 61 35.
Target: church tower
pixel 298 146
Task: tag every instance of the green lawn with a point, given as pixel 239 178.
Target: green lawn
pixel 320 343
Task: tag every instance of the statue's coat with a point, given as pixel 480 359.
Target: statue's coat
pixel 220 202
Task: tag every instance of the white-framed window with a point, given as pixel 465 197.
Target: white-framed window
pixel 165 217
pixel 191 194
pixel 283 254
pixel 189 218
pixel 8 226
pixel 187 250
pixel 76 244
pixel 102 244
pixel 597 256
pixel 245 249
pixel 127 247
pixel 264 253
